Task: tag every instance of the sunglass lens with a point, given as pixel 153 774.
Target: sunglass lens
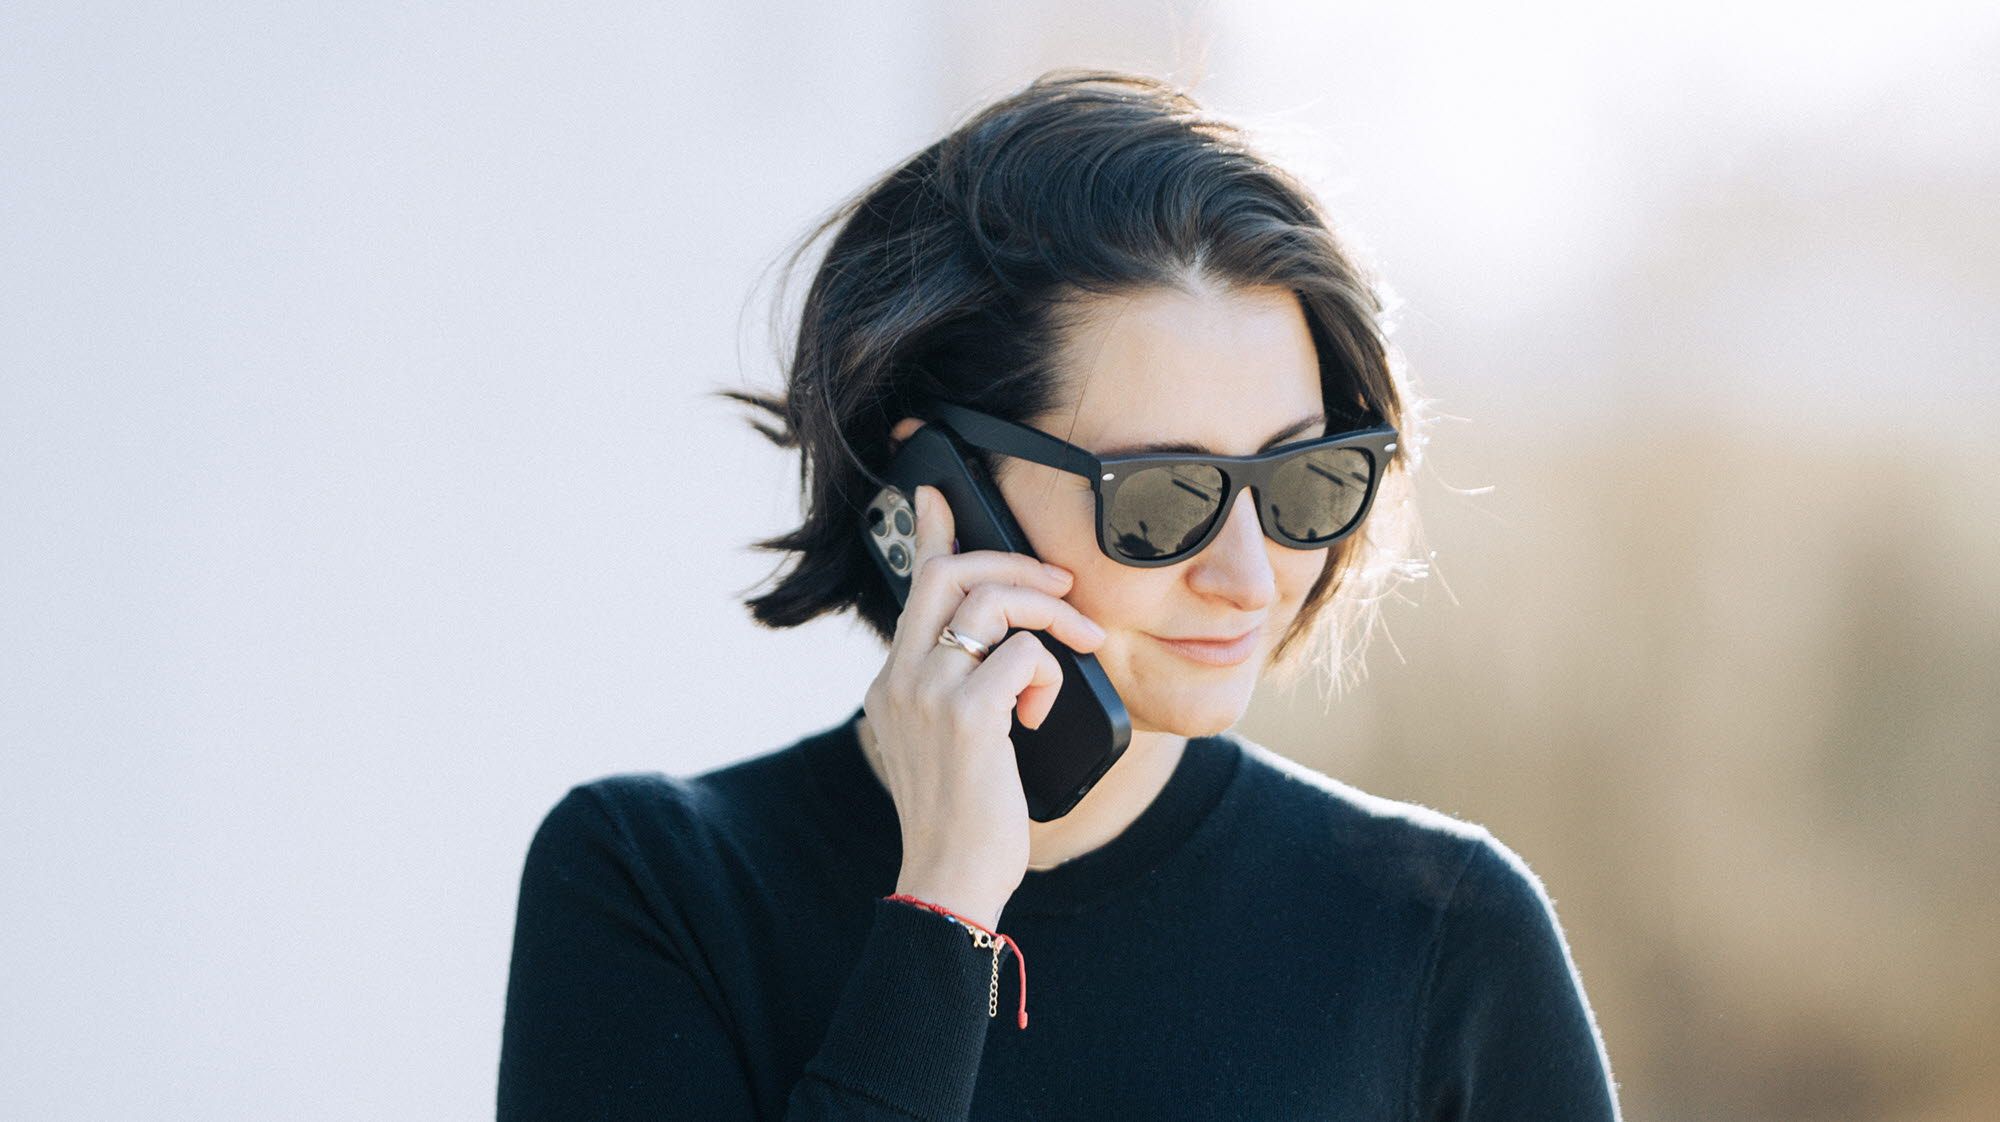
pixel 1316 496
pixel 1161 511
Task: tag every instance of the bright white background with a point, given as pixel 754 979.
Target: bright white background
pixel 359 492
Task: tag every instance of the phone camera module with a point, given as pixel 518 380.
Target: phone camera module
pixel 892 528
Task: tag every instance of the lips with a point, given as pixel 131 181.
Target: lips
pixel 1220 639
pixel 1214 652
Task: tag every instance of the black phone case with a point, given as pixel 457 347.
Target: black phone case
pixel 1087 729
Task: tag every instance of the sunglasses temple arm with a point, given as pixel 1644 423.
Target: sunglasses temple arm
pixel 996 435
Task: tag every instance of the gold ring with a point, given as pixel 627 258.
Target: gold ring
pixel 971 646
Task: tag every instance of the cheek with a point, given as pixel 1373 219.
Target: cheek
pixel 1118 603
pixel 1297 570
pixel 1295 577
pixel 1059 521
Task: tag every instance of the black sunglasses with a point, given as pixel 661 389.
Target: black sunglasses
pixel 1157 508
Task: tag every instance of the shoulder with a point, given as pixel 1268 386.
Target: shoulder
pixel 1469 899
pixel 592 825
pixel 1392 847
pixel 654 815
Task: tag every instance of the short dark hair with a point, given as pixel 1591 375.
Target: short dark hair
pixel 954 277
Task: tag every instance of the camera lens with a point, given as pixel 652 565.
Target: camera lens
pixel 899 558
pixel 904 523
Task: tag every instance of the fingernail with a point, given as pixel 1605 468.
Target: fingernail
pixel 1058 573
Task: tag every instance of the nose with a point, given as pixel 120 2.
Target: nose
pixel 1237 564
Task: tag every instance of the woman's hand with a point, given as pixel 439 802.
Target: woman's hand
pixel 940 718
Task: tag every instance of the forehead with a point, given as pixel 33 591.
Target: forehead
pixel 1220 368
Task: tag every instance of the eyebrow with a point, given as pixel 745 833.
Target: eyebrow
pixel 1182 446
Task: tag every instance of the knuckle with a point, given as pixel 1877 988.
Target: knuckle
pixel 932 567
pixel 1023 644
pixel 961 711
pixel 895 688
pixel 984 598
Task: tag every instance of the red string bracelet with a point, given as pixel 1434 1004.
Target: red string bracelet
pixel 981 937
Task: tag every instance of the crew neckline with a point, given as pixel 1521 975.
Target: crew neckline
pixel 860 812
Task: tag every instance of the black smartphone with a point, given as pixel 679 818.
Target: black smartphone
pixel 1087 729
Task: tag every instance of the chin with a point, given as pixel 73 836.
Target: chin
pixel 1192 709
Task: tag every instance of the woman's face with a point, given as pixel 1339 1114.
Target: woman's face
pixel 1225 370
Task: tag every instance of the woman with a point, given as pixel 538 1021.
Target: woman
pixel 818 931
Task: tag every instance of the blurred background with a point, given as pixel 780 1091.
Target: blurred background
pixel 353 358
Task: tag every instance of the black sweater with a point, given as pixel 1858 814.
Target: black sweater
pixel 1263 942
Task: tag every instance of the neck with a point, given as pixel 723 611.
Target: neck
pixel 1112 805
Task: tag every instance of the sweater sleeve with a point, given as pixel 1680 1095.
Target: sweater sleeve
pixel 606 1019
pixel 1504 1030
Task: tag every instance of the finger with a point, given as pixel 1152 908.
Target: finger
pixel 935 527
pixel 1039 700
pixel 940 580
pixel 1019 675
pixel 923 613
pixel 990 611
